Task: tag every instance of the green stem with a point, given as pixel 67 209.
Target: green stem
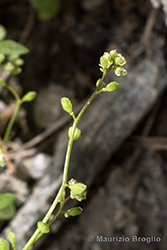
pixel 10 124
pixel 37 234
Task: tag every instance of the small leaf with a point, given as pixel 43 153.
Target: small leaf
pixel 2 32
pixel 44 228
pixel 66 104
pixel 111 86
pixel 12 238
pixel 77 133
pixel 6 199
pixel 30 96
pixel 4 245
pixel 47 8
pixel 8 47
pixel 8 212
pixel 103 62
pixel 75 211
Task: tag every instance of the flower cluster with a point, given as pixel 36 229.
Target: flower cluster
pixel 113 61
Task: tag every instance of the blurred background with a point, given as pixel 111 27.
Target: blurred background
pixel 121 155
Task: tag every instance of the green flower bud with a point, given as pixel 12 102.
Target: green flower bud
pixel 99 84
pixel 111 86
pixel 2 159
pixel 66 104
pixel 77 133
pixel 2 58
pixel 9 67
pixel 74 211
pixel 113 54
pixel 19 62
pixel 4 245
pixel 44 228
pixel 30 96
pixel 16 71
pixel 12 238
pixel 13 56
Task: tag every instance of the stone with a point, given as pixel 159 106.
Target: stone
pixel 34 167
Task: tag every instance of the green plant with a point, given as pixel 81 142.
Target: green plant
pixel 10 61
pixel 7 207
pixel 46 8
pixel 109 61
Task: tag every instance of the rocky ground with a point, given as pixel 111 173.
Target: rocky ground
pixel 121 155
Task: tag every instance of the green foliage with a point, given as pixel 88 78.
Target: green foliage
pixel 12 239
pixel 9 47
pixel 4 245
pixel 46 8
pixel 66 104
pixel 74 211
pixel 111 87
pixel 30 96
pixel 7 207
pixel 3 32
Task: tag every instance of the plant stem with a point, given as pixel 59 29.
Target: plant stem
pixel 10 124
pixel 37 233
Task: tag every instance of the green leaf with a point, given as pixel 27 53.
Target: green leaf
pixel 2 83
pixel 30 96
pixel 44 228
pixel 75 211
pixel 66 104
pixel 9 47
pixel 111 86
pixel 12 238
pixel 46 8
pixel 4 245
pixel 2 32
pixel 8 212
pixel 2 58
pixel 77 133
pixel 6 199
pixel 103 62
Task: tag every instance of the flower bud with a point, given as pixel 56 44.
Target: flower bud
pixel 16 71
pixel 19 62
pixel 9 67
pixel 74 211
pixel 111 86
pixel 66 104
pixel 30 96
